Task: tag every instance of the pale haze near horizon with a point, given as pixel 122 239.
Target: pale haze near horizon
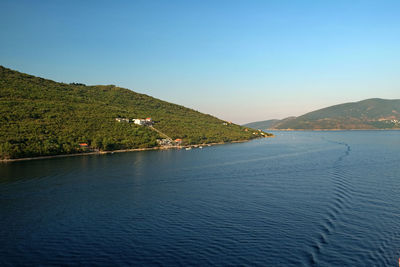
pixel 241 61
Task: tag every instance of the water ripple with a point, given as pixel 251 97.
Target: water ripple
pixel 341 200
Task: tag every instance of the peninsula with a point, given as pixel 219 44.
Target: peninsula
pixel 40 117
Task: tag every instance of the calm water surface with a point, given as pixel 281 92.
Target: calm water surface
pixel 300 199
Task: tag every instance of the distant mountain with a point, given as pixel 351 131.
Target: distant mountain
pixel 40 117
pixel 268 124
pixel 367 114
pixel 262 124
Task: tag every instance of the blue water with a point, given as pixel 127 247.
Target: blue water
pixel 300 199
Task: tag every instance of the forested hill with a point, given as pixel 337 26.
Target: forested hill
pixel 267 124
pixel 42 117
pixel 367 114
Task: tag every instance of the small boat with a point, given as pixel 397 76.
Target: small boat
pixel 200 147
pixel 188 148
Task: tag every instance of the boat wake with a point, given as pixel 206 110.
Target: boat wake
pixel 342 195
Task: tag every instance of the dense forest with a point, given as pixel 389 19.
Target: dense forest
pixel 41 117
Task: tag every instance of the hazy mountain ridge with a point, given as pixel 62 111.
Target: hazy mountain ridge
pixel 372 113
pixel 262 124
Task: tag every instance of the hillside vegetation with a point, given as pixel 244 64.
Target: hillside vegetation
pixel 367 114
pixel 42 117
pixel 267 124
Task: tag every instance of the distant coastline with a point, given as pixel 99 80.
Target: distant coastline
pixel 373 113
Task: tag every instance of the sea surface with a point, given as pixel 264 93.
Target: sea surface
pixel 299 199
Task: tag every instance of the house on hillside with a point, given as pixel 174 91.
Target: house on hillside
pixel 84 146
pixel 122 120
pixel 139 121
pixel 165 142
pixel 178 141
pixel 147 121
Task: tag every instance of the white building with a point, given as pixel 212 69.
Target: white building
pixel 147 121
pixel 139 121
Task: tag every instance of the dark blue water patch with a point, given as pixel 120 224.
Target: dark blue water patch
pixel 302 198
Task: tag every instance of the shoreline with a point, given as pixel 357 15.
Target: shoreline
pixel 120 151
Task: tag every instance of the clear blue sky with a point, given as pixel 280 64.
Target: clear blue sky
pixel 239 60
